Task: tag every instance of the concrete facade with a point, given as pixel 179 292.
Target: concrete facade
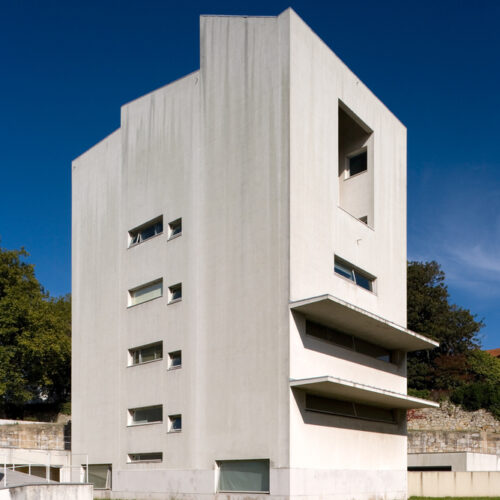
pixel 246 152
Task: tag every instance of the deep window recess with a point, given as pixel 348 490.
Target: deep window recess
pixel 174 228
pixel 364 219
pixel 427 468
pixel 174 293
pixel 352 273
pixel 174 360
pixel 146 231
pixel 146 292
pixel 243 476
pixel 99 475
pixel 145 457
pixel 175 423
pixel 146 353
pixel 358 163
pixel 145 415
pixel 349 409
pixel 347 341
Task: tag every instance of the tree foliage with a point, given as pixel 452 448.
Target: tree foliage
pixel 35 338
pixel 456 329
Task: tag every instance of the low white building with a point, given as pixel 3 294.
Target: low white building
pixel 239 280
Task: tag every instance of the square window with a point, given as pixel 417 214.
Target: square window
pixel 174 293
pixel 358 163
pixel 174 360
pixel 174 423
pixel 174 228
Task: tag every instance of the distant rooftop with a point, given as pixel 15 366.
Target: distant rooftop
pixel 494 352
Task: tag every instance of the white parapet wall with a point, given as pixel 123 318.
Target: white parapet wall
pixel 454 484
pixel 48 492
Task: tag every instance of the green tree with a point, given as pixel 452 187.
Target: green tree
pixel 35 338
pixel 455 328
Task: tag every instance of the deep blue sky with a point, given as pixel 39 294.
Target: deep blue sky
pixel 66 68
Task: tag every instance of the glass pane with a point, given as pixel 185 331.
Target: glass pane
pixel 159 227
pixel 150 353
pixel 146 457
pixel 330 335
pixel 147 293
pixel 244 475
pixel 357 164
pixel 100 476
pixel 137 358
pixel 363 281
pixel 372 350
pixel 148 232
pixel 146 415
pixel 175 292
pixel 327 405
pixel 374 413
pixel 175 359
pixel 176 423
pixel 175 227
pixel 343 270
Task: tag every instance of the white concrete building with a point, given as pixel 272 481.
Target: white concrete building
pixel 239 280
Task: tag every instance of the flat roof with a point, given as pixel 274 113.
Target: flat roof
pixel 339 314
pixel 348 390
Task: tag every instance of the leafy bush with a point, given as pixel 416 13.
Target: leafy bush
pixel 419 393
pixel 478 395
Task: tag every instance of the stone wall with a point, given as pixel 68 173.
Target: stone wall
pixel 43 436
pixel 449 429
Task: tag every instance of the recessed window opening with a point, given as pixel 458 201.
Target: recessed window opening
pixel 174 360
pixel 174 228
pixel 147 353
pixel 174 293
pixel 145 457
pixel 146 415
pixel 145 293
pixel 361 278
pixel 349 409
pixel 175 423
pixel 364 219
pixel 244 476
pixel 348 341
pixel 99 475
pixel 146 231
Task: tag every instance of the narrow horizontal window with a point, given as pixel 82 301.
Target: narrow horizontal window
pixel 174 228
pixel 145 457
pixel 349 409
pixel 145 415
pixel 174 293
pixel 144 354
pixel 175 423
pixel 146 292
pixel 146 231
pixel 243 476
pixel 346 270
pixel 347 341
pixel 174 360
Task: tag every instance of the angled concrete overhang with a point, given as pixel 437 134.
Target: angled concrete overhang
pixel 341 315
pixel 347 390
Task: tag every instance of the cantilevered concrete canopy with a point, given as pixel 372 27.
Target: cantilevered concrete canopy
pixel 336 313
pixel 347 390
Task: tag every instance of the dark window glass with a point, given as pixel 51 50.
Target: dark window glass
pixel 146 457
pixel 147 415
pixel 175 227
pixel 147 231
pixel 175 422
pixel 147 353
pixel 175 359
pixel 175 292
pixel 348 271
pixel 343 270
pixel 374 413
pixel 357 164
pixel 363 281
pixel 372 350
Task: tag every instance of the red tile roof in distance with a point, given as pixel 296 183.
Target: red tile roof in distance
pixel 494 352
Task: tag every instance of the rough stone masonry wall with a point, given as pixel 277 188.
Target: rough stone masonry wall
pixel 43 436
pixel 451 429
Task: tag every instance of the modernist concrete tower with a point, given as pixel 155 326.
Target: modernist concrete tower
pixel 239 280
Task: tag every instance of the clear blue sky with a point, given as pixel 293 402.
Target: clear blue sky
pixel 67 67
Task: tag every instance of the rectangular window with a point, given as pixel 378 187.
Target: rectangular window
pixel 146 415
pixel 347 341
pixel 349 409
pixel 99 475
pixel 174 293
pixel 145 231
pixel 358 163
pixel 243 476
pixel 145 457
pixel 175 423
pixel 145 293
pixel 174 228
pixel 174 360
pixel 346 270
pixel 145 354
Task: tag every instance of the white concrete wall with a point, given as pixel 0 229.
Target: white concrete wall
pixel 459 462
pixel 357 454
pixel 48 492
pixel 454 484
